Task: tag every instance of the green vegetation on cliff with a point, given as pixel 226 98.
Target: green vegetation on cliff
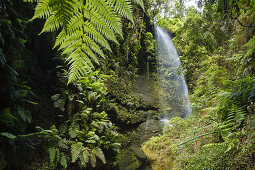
pixel 215 47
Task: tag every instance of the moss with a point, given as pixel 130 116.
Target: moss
pixel 128 160
pixel 159 160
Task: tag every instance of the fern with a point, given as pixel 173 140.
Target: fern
pixel 84 158
pixel 72 130
pixel 62 143
pixel 85 26
pixel 93 159
pixel 76 150
pixel 63 161
pixel 250 46
pixel 236 117
pixel 54 156
pixel 7 119
pixel 99 153
pixel 139 2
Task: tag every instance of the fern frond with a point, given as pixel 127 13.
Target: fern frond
pixel 140 3
pixel 51 24
pixel 93 159
pixel 100 24
pixel 103 10
pixel 63 143
pixel 99 153
pixel 95 47
pixel 63 161
pixel 53 155
pixel 84 157
pixel 71 46
pixel 95 35
pixel 122 7
pixel 30 0
pixel 42 9
pixel 85 28
pixel 63 10
pixel 76 150
pixel 72 129
pixel 78 67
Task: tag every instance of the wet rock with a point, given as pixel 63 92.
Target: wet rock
pixel 132 156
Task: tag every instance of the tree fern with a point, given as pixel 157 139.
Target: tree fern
pixel 84 27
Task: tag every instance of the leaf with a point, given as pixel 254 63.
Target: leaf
pixel 90 141
pixel 8 135
pixel 24 114
pixel 139 2
pixel 85 157
pixel 62 144
pixel 31 102
pixel 72 129
pixel 80 101
pixel 63 161
pixel 7 118
pixel 55 97
pixel 93 159
pixel 84 28
pixel 76 150
pixel 52 155
pixel 99 153
pixel 71 97
pixel 63 128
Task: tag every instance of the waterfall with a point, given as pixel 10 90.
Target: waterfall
pixel 173 88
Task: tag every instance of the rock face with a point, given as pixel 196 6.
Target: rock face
pixel 132 156
pixel 147 90
pixel 137 118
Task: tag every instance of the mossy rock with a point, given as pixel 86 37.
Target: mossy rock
pixel 133 158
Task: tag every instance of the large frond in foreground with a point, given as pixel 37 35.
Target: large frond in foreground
pixel 85 26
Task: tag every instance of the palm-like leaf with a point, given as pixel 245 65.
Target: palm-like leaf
pixel 85 27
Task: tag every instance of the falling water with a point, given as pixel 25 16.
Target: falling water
pixel 173 88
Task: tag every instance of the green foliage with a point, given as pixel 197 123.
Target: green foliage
pixel 14 91
pixel 149 43
pixel 87 133
pixel 76 150
pixel 251 47
pixel 16 94
pixel 59 102
pixel 216 50
pixel 211 156
pixel 84 26
pixel 25 115
pixel 8 135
